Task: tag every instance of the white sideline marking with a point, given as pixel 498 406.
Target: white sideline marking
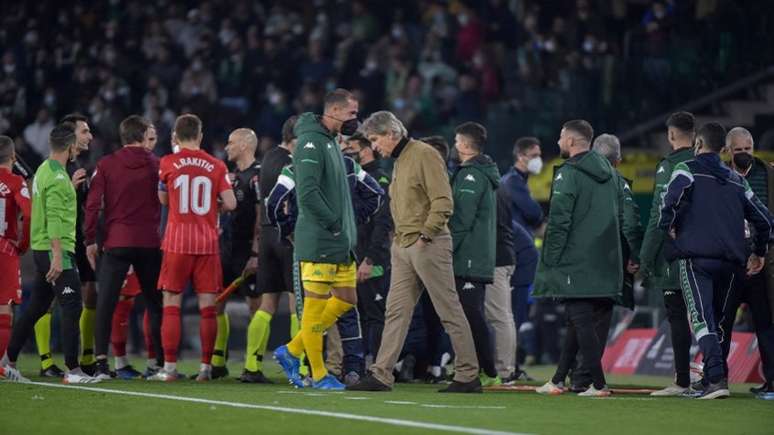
pixel 342 415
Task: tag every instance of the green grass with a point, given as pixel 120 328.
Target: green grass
pixel 44 410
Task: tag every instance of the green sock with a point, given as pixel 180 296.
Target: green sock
pixel 43 340
pixel 87 324
pixel 256 330
pixel 266 332
pixel 221 341
pixel 294 325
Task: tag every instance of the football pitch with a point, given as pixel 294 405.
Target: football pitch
pixel 226 406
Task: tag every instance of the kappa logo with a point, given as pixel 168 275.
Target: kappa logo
pixel 310 145
pixel 660 170
pixel 558 177
pixel 60 177
pixel 470 177
pixel 68 290
pixel 468 286
pixel 329 146
pixel 378 297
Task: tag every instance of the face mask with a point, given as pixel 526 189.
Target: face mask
pixel 349 127
pixel 534 166
pixel 743 160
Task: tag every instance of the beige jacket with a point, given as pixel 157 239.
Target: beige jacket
pixel 420 193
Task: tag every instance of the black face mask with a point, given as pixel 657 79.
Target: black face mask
pixel 743 160
pixel 349 127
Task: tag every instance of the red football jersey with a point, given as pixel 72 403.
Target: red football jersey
pixel 193 181
pixel 14 199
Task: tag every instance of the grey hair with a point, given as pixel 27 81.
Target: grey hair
pixel 608 146
pixel 383 123
pixel 739 132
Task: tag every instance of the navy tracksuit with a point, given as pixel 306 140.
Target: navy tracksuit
pixel 706 205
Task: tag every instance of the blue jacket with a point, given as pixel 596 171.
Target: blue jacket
pixel 282 210
pixel 526 213
pixel 706 204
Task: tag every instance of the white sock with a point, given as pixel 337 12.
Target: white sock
pixel 435 371
pixel 121 362
pixel 170 367
pixel 205 367
pixel 399 365
pixel 152 363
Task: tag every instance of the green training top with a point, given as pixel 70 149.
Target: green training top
pixel 54 208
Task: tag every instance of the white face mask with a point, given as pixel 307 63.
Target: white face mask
pixel 534 166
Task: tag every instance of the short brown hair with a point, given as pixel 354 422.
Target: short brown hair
pixel 62 136
pixel 475 131
pixel 582 127
pixel 524 144
pixel 683 121
pixel 6 149
pixel 132 129
pixel 74 117
pixel 287 129
pixel 187 127
pixel 337 97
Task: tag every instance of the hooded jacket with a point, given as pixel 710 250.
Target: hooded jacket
pixel 657 271
pixel 125 187
pixel 706 204
pixel 325 230
pixel 473 223
pixel 581 255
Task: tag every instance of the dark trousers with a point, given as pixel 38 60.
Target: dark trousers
pixel 753 291
pixel 680 331
pixel 472 295
pixel 707 286
pixel 351 335
pixel 586 318
pixel 372 302
pixel 67 291
pixel 113 266
pixel 581 375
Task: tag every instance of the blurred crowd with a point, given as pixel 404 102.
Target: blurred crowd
pixel 511 63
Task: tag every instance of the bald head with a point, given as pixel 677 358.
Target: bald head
pixel 241 145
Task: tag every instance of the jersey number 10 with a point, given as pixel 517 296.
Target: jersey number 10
pixel 195 195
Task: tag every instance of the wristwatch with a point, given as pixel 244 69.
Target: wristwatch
pixel 425 238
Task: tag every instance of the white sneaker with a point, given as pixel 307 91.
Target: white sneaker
pixel 164 376
pixel 593 392
pixel 12 374
pixel 670 391
pixel 550 389
pixel 79 378
pixel 205 374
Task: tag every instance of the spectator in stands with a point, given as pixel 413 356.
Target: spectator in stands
pixel 36 134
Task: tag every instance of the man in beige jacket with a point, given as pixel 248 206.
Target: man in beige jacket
pixel 421 204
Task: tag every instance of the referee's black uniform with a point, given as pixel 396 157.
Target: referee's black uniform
pixel 239 243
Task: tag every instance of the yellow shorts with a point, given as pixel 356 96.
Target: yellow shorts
pixel 320 278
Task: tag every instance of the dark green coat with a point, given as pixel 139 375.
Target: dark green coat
pixel 581 255
pixel 631 240
pixel 657 272
pixel 473 224
pixel 325 229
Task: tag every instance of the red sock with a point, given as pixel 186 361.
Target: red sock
pixel 5 332
pixel 146 332
pixel 208 329
pixel 170 333
pixel 120 326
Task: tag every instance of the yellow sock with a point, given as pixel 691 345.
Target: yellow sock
pixel 334 309
pixel 43 340
pixel 294 326
pixel 221 340
pixel 255 330
pixel 265 333
pixel 87 324
pixel 312 334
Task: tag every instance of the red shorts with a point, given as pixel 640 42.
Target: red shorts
pixel 10 280
pixel 202 271
pixel 131 286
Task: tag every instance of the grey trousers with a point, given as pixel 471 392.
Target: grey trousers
pixel 499 314
pixel 432 264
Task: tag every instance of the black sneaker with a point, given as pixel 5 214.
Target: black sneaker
pixel 103 371
pixel 718 390
pixel 219 372
pixel 473 386
pixel 257 377
pixel 369 383
pixel 89 369
pixel 52 372
pixel 767 387
pixel 406 373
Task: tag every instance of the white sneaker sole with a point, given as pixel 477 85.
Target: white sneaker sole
pixel 719 394
pixel 671 393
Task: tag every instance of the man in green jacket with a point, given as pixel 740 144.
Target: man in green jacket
pixel 581 258
pixel 325 235
pixel 53 249
pixel 473 230
pixel 658 273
